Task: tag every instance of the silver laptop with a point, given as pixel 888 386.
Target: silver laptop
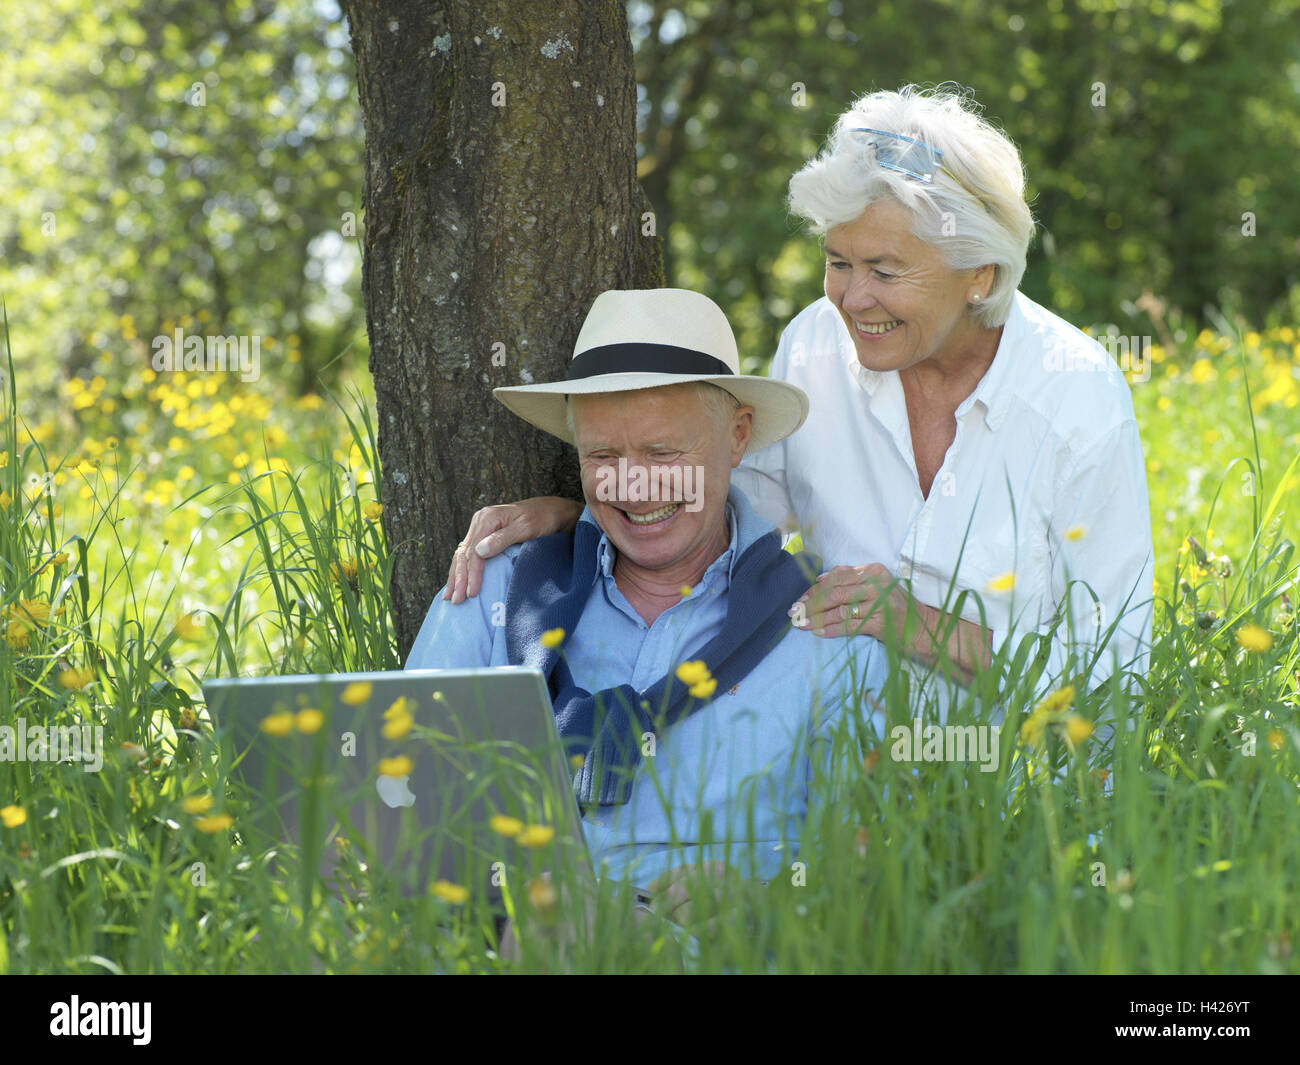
pixel 483 746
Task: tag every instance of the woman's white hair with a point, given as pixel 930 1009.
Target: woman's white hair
pixel 975 215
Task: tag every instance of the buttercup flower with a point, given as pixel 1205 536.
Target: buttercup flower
pixel 506 826
pixel 552 637
pixel 1003 583
pixel 215 823
pixel 449 892
pixel 357 692
pixel 188 626
pixel 1254 638
pixel 12 816
pixel 279 723
pixel 1077 729
pixel 75 679
pixel 197 804
pixel 1276 738
pixel 536 835
pixel 401 766
pixel 309 720
pixel 373 510
pixel 692 673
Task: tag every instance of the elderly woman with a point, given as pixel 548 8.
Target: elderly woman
pixel 971 466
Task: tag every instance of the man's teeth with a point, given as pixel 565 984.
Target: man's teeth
pixel 653 516
pixel 878 327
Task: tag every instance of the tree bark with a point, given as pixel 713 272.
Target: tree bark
pixel 500 199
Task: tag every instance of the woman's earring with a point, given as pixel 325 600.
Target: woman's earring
pixel 976 298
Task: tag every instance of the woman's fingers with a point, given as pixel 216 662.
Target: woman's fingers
pixel 466 574
pixel 842 600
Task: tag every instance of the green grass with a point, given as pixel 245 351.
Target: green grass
pixel 267 541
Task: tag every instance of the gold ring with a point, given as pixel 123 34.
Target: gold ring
pixel 855 611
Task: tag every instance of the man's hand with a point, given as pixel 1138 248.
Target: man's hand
pixel 692 896
pixel 493 529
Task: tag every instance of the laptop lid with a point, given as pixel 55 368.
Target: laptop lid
pixel 483 745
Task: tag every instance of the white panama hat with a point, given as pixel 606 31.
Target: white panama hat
pixel 647 338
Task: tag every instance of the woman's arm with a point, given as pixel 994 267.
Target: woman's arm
pixel 493 529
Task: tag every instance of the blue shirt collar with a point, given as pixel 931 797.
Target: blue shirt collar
pixel 746 527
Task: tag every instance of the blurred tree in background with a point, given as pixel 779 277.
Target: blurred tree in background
pixel 1159 138
pixel 174 160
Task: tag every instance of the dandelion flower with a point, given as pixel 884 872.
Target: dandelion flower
pixel 552 637
pixel 401 766
pixel 1254 638
pixel 13 816
pixel 449 892
pixel 197 804
pixel 309 720
pixel 279 723
pixel 214 823
pixel 357 692
pixel 536 835
pixel 506 826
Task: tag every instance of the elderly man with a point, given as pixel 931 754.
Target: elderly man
pixel 664 614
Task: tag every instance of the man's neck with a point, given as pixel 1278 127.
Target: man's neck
pixel 652 591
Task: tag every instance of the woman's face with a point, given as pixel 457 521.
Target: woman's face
pixel 900 301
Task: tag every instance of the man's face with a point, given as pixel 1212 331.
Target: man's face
pixel 900 300
pixel 662 504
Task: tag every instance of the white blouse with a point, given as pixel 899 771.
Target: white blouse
pixel 1044 481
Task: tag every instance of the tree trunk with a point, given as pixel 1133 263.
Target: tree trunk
pixel 501 199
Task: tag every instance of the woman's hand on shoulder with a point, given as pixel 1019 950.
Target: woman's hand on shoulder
pixel 493 529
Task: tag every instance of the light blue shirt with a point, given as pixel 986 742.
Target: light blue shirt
pixel 751 746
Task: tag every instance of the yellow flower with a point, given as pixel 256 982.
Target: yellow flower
pixel 552 637
pixel 13 816
pixel 685 589
pixel 278 724
pixel 1276 738
pixel 449 892
pixel 5 500
pixel 343 569
pixel 536 835
pixel 373 510
pixel 401 766
pixel 309 720
pixel 215 823
pixel 1032 730
pixel 188 626
pixel 357 692
pixel 704 688
pixel 1254 638
pixel 1076 532
pixel 542 895
pixel 4 459
pixel 397 727
pixel 402 707
pixel 1077 729
pixel 197 804
pixel 692 673
pixel 1004 583
pixel 577 761
pixel 506 826
pixel 1057 701
pixel 75 679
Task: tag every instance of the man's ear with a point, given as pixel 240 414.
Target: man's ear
pixel 742 428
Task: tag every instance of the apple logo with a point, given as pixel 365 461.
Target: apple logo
pixel 394 792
